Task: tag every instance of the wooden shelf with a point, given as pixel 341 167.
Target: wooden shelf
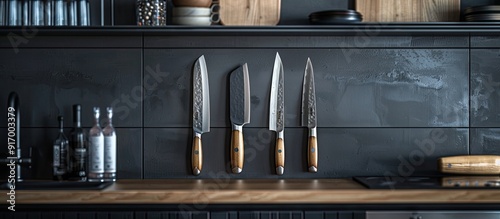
pixel 368 29
pixel 255 191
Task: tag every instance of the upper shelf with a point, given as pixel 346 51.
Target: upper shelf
pixel 368 29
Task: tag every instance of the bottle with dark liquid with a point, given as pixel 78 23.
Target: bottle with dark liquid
pixel 78 147
pixel 61 156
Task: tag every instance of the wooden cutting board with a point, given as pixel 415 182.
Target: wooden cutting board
pixel 250 12
pixel 409 10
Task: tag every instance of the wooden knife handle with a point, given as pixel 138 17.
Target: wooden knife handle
pixel 471 164
pixel 197 156
pixel 312 154
pixel 280 156
pixel 237 151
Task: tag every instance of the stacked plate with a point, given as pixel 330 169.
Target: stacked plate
pixel 486 13
pixel 335 17
pixel 194 12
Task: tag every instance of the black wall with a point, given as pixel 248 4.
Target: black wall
pixel 387 105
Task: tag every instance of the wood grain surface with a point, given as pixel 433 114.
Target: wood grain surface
pixel 409 10
pixel 272 191
pixel 470 164
pixel 237 150
pixel 250 12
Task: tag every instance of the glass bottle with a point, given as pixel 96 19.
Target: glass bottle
pixel 96 150
pixel 49 9
pixel 78 147
pixel 61 156
pixel 14 13
pixel 37 13
pixel 109 148
pixel 26 13
pixel 72 12
pixel 3 12
pixel 60 13
pixel 83 16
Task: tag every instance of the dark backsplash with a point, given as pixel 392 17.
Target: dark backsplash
pixel 387 105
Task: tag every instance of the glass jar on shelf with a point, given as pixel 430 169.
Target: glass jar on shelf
pixel 151 12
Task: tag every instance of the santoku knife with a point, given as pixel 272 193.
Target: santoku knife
pixel 308 114
pixel 277 114
pixel 239 109
pixel 201 112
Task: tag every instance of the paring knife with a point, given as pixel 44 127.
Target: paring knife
pixel 239 109
pixel 201 112
pixel 277 114
pixel 308 114
pixel 470 164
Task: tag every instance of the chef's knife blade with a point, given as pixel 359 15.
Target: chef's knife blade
pixel 201 112
pixel 277 113
pixel 239 110
pixel 308 114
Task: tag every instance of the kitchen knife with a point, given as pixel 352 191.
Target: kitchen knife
pixel 470 164
pixel 277 114
pixel 239 110
pixel 201 112
pixel 308 114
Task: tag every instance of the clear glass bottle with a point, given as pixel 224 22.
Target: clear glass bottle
pixel 72 12
pixel 109 148
pixel 49 9
pixel 61 155
pixel 60 13
pixel 3 12
pixel 14 13
pixel 96 150
pixel 37 13
pixel 83 13
pixel 26 13
pixel 78 147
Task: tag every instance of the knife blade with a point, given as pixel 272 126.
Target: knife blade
pixel 308 114
pixel 470 164
pixel 239 110
pixel 201 112
pixel 277 113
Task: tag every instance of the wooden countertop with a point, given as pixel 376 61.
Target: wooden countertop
pixel 274 191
